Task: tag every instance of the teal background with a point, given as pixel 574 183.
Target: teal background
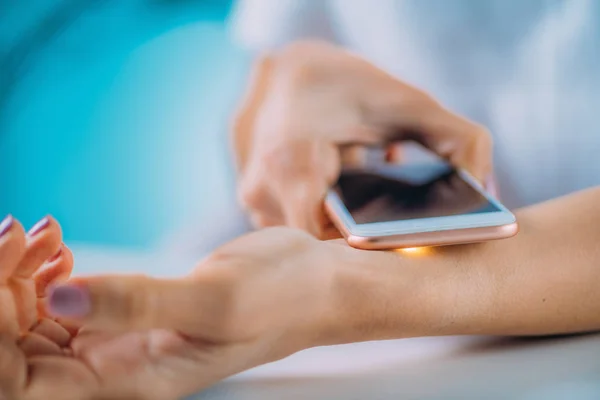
pixel 116 118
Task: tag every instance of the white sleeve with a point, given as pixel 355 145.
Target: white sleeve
pixel 383 32
pixel 266 24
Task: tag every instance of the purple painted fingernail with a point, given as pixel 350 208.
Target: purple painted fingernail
pixel 69 301
pixel 40 226
pixel 6 224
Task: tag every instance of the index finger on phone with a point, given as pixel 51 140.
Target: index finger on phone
pixel 464 143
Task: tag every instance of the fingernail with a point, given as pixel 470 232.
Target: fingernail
pixel 40 226
pixel 56 256
pixel 6 224
pixel 69 301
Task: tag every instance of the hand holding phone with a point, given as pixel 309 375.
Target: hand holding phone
pixel 310 101
pixel 418 201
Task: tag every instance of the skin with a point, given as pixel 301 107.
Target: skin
pixel 307 109
pixel 130 346
pixel 279 290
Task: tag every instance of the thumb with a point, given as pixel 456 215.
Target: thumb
pixel 302 207
pixel 128 303
pixel 302 191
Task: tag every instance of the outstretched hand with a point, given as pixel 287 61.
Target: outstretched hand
pixel 255 300
pixel 139 338
pixel 32 347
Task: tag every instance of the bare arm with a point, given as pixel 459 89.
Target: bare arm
pixel 274 292
pixel 543 281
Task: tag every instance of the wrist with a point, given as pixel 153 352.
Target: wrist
pixel 389 295
pixel 379 295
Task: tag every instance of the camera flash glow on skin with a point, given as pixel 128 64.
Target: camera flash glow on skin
pixel 413 251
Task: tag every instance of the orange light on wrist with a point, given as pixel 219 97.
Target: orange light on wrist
pixel 414 251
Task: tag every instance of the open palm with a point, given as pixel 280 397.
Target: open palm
pixel 41 356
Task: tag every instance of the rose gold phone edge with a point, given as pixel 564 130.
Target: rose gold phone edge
pixel 423 239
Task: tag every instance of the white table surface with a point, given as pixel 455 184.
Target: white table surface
pixel 427 368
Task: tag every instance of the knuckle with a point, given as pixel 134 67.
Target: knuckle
pixel 278 158
pixel 262 220
pixel 291 159
pixel 482 141
pixel 482 135
pixel 301 62
pixel 251 196
pixel 478 151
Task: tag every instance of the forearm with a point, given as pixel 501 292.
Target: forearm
pixel 543 281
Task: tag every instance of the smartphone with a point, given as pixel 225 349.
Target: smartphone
pixel 417 200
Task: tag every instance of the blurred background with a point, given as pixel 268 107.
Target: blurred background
pixel 113 115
